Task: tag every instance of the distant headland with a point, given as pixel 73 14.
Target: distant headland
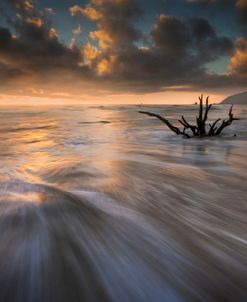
pixel 236 99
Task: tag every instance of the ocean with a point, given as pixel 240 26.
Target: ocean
pixel 101 203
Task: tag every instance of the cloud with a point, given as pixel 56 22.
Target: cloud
pixel 114 21
pixel 26 5
pixel 35 21
pixel 177 48
pixel 92 13
pixel 181 49
pixel 116 55
pixel 241 3
pixel 90 52
pixel 238 62
pixel 74 10
pixel 115 32
pixel 35 49
pixel 34 55
pixel 241 6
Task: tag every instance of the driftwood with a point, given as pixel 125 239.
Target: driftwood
pixel 200 129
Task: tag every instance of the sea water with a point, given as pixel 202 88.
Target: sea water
pixel 101 203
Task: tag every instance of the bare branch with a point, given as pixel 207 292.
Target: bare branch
pixel 188 126
pixel 200 128
pixel 165 121
pixel 208 107
pixel 201 107
pixel 213 127
pixel 226 123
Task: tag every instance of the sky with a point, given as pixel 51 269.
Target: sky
pixel 121 51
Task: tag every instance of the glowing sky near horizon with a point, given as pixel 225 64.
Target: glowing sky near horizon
pixel 121 51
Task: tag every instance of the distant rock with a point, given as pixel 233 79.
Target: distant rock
pixel 237 99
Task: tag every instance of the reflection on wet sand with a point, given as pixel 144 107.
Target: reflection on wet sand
pixel 119 211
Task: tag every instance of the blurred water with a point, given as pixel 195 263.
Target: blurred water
pixel 105 204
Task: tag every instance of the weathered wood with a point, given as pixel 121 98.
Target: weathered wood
pixel 169 125
pixel 213 127
pixel 200 128
pixel 226 123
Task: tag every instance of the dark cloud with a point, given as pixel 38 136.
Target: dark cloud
pixel 5 37
pixel 34 53
pixel 36 48
pixel 241 6
pixel 177 54
pixel 22 4
pixel 206 43
pixel 189 39
pixel 170 36
pixel 114 20
pixel 177 48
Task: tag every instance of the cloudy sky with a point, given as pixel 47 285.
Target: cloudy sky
pixel 122 51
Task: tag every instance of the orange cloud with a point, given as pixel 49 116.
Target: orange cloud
pixel 90 52
pixel 88 11
pixel 102 37
pixel 92 13
pixel 238 62
pixel 75 10
pixel 105 65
